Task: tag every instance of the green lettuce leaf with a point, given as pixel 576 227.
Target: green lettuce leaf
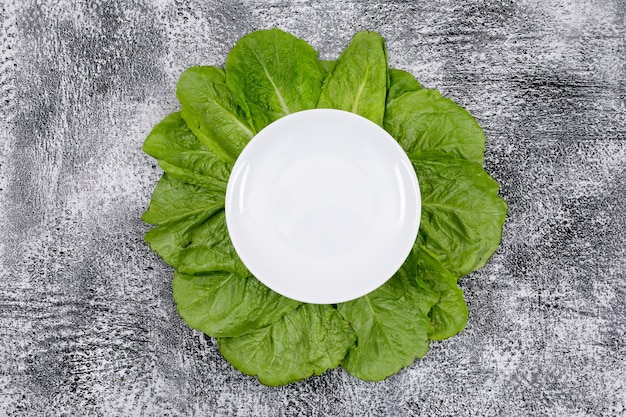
pixel 191 232
pixel 462 214
pixel 401 82
pixel 327 65
pixel 184 157
pixel 209 107
pixel 392 327
pixel 273 74
pixel 426 124
pixel 223 304
pixel 305 342
pixel 358 80
pixel 449 315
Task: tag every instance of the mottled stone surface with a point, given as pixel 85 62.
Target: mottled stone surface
pixel 87 321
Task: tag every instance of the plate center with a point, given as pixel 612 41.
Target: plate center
pixel 322 205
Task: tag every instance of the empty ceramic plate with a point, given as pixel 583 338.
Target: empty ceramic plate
pixel 323 206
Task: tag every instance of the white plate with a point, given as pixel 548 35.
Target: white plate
pixel 323 206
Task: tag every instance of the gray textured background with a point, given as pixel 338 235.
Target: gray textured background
pixel 87 322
